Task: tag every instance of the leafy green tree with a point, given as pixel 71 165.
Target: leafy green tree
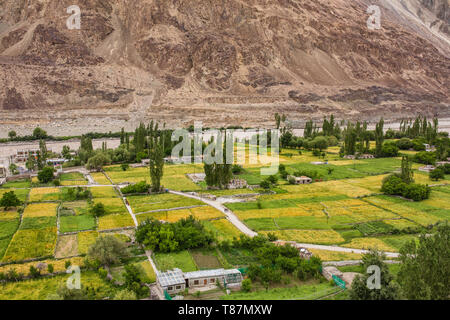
pixel 13 168
pixel 98 161
pixel 39 133
pixel 107 251
pixel 134 281
pixel 66 153
pixel 98 209
pixel 46 175
pixel 389 289
pixel 425 270
pixel 12 134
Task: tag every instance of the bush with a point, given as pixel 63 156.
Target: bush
pixel 46 175
pixel 56 183
pixel 446 168
pixel 405 144
pixel 418 145
pixel 246 285
pixel 394 185
pixel 140 187
pixel 237 169
pixel 425 157
pixel 50 268
pixel 437 174
pixel 389 149
pixel 265 184
pixel 125 166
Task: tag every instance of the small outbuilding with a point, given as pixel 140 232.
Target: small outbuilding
pixel 300 180
pixel 171 281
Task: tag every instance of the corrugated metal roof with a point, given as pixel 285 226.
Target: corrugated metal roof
pixel 170 277
pixel 209 273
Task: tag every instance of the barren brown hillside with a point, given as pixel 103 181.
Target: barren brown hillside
pixel 223 62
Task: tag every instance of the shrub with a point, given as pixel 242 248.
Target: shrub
pixel 446 168
pixel 425 157
pixel 140 187
pixel 237 169
pixel 405 144
pixel 125 166
pixel 437 174
pixel 389 149
pixel 265 184
pixel 50 268
pixel 394 185
pixel 246 285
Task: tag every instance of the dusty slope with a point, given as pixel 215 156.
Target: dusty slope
pixel 223 62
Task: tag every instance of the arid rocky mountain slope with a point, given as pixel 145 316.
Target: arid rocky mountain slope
pixel 224 62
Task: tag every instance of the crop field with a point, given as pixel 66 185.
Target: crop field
pixel 45 194
pixel 327 255
pixel 38 223
pixel 100 178
pixel 103 192
pixel 112 205
pixel 30 243
pixel 168 261
pixel 201 213
pixel 309 236
pixel 72 179
pixel 222 229
pixel 9 223
pixel 35 210
pixel 46 288
pixel 115 221
pixel 58 265
pixel 160 201
pixel 85 240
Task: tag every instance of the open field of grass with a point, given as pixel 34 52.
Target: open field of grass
pixel 206 259
pixel 9 223
pixel 35 210
pixel 168 261
pixel 45 194
pixel 76 207
pixel 296 292
pixel 76 223
pixel 17 184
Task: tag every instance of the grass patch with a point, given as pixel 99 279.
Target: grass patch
pixel 168 261
pixel 76 223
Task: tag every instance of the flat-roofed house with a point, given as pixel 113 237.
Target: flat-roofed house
pixel 301 180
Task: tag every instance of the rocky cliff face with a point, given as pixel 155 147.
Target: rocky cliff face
pixel 223 62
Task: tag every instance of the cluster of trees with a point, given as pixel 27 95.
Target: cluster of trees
pixel 424 271
pixel 219 173
pixel 273 261
pixel 440 172
pixel 187 233
pixel 403 184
